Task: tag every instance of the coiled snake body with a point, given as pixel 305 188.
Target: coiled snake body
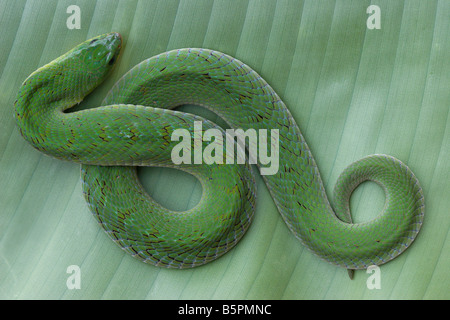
pixel 134 126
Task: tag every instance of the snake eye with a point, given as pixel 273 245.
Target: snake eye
pixel 112 60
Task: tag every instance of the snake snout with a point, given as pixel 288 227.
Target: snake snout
pixel 115 41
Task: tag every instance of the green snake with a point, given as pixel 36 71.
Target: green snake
pixel 134 127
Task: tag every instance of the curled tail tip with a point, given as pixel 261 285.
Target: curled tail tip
pixel 351 273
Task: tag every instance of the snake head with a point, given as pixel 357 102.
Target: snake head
pixel 102 51
pixel 91 61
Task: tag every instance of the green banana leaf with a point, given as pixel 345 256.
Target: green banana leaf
pixel 358 81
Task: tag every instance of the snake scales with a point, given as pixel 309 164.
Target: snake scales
pixel 133 128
